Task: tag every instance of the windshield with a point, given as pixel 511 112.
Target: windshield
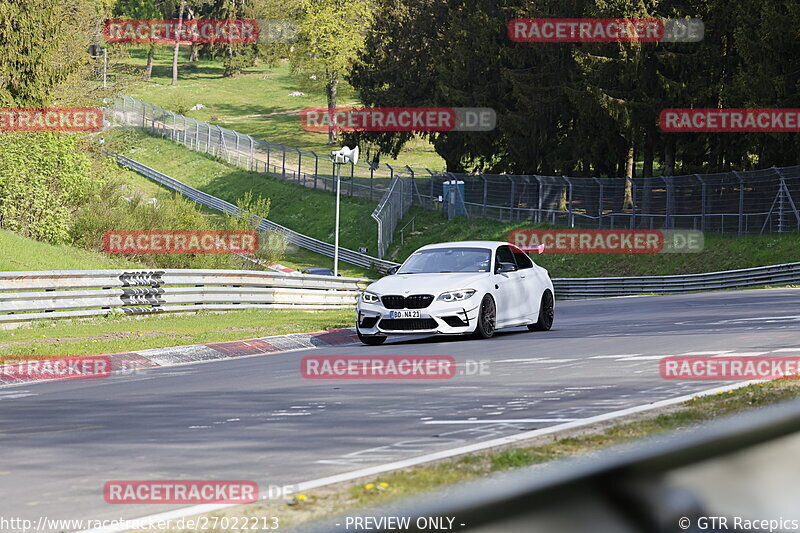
pixel 439 260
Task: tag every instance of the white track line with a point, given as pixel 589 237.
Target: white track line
pixel 146 521
pixel 502 421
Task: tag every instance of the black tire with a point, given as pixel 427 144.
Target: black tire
pixel 487 318
pixel 546 313
pixel 371 340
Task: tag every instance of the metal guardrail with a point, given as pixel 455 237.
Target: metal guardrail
pixel 574 288
pixel 26 296
pixel 303 241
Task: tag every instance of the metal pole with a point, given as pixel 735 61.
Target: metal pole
pixel 703 205
pixel 741 200
pixel 105 66
pixel 299 165
pixel 485 193
pixel 336 235
pixel 316 169
pixel 238 152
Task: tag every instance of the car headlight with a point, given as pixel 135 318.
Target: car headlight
pixel 456 296
pixel 370 298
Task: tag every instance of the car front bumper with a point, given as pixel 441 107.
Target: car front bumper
pixel 441 318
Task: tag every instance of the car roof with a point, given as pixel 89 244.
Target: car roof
pixel 465 244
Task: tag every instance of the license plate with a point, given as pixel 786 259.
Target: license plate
pixel 404 314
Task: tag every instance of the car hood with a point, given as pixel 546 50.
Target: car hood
pixel 427 283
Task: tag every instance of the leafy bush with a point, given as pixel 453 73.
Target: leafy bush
pixel 44 180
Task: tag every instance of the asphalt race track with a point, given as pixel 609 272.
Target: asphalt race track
pixel 258 418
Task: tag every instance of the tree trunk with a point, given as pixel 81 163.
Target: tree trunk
pixel 148 70
pixel 629 162
pixel 669 157
pixel 177 48
pixel 194 54
pixel 330 90
pixel 647 168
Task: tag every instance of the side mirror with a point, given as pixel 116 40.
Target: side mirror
pixel 392 271
pixel 505 267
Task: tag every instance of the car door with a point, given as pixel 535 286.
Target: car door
pixel 529 284
pixel 509 297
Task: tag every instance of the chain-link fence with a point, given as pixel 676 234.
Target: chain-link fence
pixel 300 166
pixel 392 208
pixel 761 201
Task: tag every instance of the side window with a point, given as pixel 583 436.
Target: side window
pixel 504 255
pixel 522 259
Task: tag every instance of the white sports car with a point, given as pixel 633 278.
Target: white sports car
pixel 452 288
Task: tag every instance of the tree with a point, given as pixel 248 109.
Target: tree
pixel 44 51
pixel 331 33
pixel 143 9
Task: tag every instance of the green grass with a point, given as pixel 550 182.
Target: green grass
pixel 115 334
pixel 22 253
pixel 302 209
pixel 436 479
pixel 256 102
pixel 720 252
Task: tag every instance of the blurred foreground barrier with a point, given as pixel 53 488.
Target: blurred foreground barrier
pixel 727 475
pixel 26 296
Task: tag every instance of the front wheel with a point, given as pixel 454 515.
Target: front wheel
pixel 546 313
pixel 487 318
pixel 371 340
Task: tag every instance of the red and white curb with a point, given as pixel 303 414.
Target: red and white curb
pixel 178 355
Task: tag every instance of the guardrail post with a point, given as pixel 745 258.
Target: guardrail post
pixel 252 154
pixel 208 138
pixel 269 144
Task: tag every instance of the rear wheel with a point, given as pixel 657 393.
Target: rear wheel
pixel 487 318
pixel 546 313
pixel 371 340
